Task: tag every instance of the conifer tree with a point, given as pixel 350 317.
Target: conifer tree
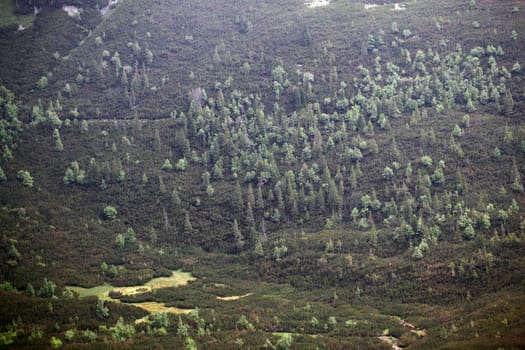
pixel 188 227
pixel 258 248
pixel 58 141
pixel 237 198
pixel 259 202
pixel 237 235
pixel 250 220
pixel 250 197
pixel 175 199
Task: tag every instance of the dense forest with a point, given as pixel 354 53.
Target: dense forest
pixel 262 174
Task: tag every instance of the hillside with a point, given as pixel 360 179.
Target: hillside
pixel 337 176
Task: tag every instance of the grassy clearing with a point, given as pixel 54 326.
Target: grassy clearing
pixel 101 292
pixel 159 307
pixel 177 278
pixel 8 17
pixel 234 297
pixel 347 284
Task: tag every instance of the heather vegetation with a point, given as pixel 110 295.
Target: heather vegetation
pixel 341 176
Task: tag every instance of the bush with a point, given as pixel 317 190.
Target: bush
pixel 110 213
pixel 55 343
pixel 426 160
pixel 47 290
pixel 25 177
pixel 42 82
pixel 181 164
pixel 70 333
pixel 160 320
pixel 167 165
pixel 243 323
pixel 89 335
pixel 7 286
pixel 121 331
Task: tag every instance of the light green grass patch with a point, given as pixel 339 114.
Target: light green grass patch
pixel 101 292
pixel 177 278
pixel 8 17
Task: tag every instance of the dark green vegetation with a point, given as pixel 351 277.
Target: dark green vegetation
pixel 340 168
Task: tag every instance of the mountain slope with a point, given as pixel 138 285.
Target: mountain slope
pixel 335 168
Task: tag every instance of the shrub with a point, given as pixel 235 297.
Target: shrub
pixel 120 241
pixel 388 172
pixel 110 213
pixel 160 320
pixel 101 310
pixel 70 333
pixel 42 83
pixel 25 177
pixel 243 323
pixel 7 286
pixel 426 161
pixel 121 331
pixel 167 165
pixel 89 335
pixel 285 342
pixel 47 290
pixel 457 132
pixel 74 174
pixel 55 343
pixel 181 164
pixel 417 254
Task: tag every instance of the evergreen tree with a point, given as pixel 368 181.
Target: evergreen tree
pixel 417 254
pixel 175 199
pixel 167 165
pixel 237 198
pixel 250 197
pixel 218 169
pixel 162 186
pixel 2 175
pixel 47 290
pixel 237 236
pixel 258 248
pixel 259 202
pixel 188 228
pixel 250 220
pixel 58 141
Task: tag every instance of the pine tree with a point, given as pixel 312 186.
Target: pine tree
pixel 167 166
pixel 162 186
pixel 59 147
pixel 2 175
pixel 218 171
pixel 156 140
pixel 188 228
pixel 259 202
pixel 258 248
pixel 417 254
pixel 353 178
pixel 237 198
pixel 237 235
pixel 279 196
pixel 250 220
pixel 250 197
